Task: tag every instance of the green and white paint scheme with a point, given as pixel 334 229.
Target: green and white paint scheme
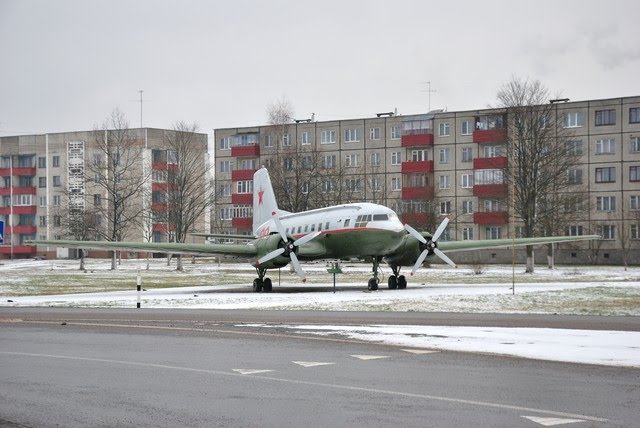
pixel 360 230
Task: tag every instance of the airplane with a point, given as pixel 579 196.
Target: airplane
pixel 347 231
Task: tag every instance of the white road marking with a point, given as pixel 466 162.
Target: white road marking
pixel 318 384
pixel 549 422
pixel 419 351
pixel 250 371
pixel 310 363
pixel 370 357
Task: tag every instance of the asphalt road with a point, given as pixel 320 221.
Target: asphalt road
pixel 198 368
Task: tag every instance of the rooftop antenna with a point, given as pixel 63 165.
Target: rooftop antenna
pixel 140 107
pixel 429 90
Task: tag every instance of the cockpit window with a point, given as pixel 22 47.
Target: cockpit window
pixel 362 220
pixel 380 217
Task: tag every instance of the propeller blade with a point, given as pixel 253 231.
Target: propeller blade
pixel 297 267
pixel 272 255
pixel 306 238
pixel 415 233
pixel 444 258
pixel 440 229
pixel 280 229
pixel 423 255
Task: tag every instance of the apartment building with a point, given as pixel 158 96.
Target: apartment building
pixel 37 170
pixel 452 163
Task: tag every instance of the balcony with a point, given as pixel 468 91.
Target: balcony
pixel 490 136
pixel 161 206
pixel 163 166
pixel 490 190
pixel 18 171
pixel 161 186
pixel 242 198
pixel 417 192
pixel 491 217
pixel 417 140
pixel 23 230
pixel 24 209
pixel 245 151
pixel 163 227
pixel 19 249
pixel 490 163
pixel 242 223
pixel 417 166
pixel 414 218
pixel 18 191
pixel 242 174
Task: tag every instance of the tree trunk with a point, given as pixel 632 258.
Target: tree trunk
pixel 81 259
pixel 114 264
pixel 179 263
pixel 530 261
pixel 168 259
pixel 550 256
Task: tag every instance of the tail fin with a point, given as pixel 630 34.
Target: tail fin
pixel 264 200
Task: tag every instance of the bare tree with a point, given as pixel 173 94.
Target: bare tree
pixel 537 155
pixel 116 171
pixel 187 181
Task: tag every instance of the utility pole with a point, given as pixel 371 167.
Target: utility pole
pixel 140 108
pixel 429 90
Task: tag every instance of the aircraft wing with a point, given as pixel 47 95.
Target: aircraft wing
pixel 240 250
pixel 450 246
pixel 222 235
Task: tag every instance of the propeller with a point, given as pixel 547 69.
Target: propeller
pixel 430 246
pixel 289 248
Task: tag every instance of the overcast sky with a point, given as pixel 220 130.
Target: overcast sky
pixel 65 65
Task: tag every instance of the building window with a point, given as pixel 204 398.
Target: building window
pixel 327 137
pixel 492 151
pixel 244 186
pixel 225 166
pixel 445 207
pixel 485 123
pixel 374 133
pixel 606 203
pixel 467 154
pixel 606 231
pixel 56 181
pixel 225 189
pixel 467 181
pixel 328 186
pixel 493 232
pixel 42 182
pixel 635 231
pixel 574 176
pixel 445 155
pixel 467 127
pixel 56 200
pixel 267 141
pixel 444 182
pixel 488 176
pixel 574 119
pixel 376 184
pixel 97 200
pixel 43 201
pixel 225 143
pixel 418 155
pixel 467 233
pixel 248 164
pixel 352 135
pixel 575 231
pixel 467 207
pixel 286 140
pixel 605 117
pixel 606 175
pixel 634 203
pixel 634 115
pixel 396 132
pixel 375 159
pixel 56 161
pixel 396 183
pixel 444 129
pixel 43 221
pixel 305 138
pixel 329 161
pixel 56 220
pixel 634 173
pixel 634 145
pixel 573 147
pixel 287 163
pixel 351 160
pixel 352 184
pixel 42 162
pixel 396 158
pixel 606 146
pixel 492 206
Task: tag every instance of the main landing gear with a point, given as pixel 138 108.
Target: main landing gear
pixel 261 283
pixel 396 280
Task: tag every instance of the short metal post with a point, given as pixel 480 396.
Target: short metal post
pixel 139 286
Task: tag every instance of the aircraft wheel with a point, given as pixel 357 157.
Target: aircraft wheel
pixel 402 282
pixel 267 286
pixel 257 285
pixel 393 282
pixel 373 284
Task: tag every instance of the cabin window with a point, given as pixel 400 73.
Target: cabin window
pixel 346 222
pixel 306 228
pixel 380 217
pixel 299 229
pixel 326 226
pixel 313 227
pixel 319 227
pixel 286 231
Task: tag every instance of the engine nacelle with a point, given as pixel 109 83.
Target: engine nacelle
pixel 270 243
pixel 408 252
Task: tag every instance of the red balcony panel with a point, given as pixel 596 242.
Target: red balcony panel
pixel 244 151
pixel 163 227
pixel 414 218
pixel 25 230
pixel 242 223
pixel 242 174
pixel 18 249
pixel 24 190
pixel 159 166
pixel 490 163
pixel 17 171
pixel 417 166
pixel 161 206
pixel 5 210
pixel 172 167
pixel 417 192
pixel 493 217
pixel 159 186
pixel 5 191
pixel 415 140
pixel 5 172
pixel 28 209
pixel 242 198
pixel 490 190
pixel 490 136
